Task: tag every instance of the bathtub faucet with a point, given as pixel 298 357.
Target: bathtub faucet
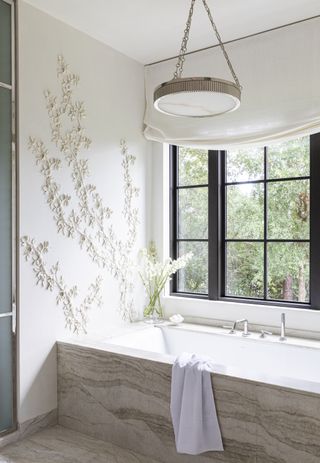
pixel 245 331
pixel 234 327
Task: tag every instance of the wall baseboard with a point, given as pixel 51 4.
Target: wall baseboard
pixel 30 427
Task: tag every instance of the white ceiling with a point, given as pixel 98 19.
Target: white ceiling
pixel 151 30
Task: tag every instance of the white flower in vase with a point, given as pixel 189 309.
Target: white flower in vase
pixel 154 275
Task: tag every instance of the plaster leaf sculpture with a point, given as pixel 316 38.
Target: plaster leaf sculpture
pixel 83 216
pixel 51 279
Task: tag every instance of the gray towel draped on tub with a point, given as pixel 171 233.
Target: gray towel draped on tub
pixel 192 407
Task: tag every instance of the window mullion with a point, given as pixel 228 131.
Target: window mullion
pixel 213 224
pixel 315 220
pixel 173 210
pixel 265 231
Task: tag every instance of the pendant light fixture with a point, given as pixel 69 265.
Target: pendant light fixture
pixel 198 96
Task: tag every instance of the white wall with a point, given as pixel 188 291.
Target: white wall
pixel 112 87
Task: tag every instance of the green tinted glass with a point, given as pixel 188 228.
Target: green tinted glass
pixel 5 200
pixel 5 42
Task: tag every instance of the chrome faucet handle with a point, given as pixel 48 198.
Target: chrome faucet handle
pixel 264 334
pixel 230 327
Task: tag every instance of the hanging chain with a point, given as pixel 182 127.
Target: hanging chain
pixel 183 49
pixel 234 75
pixel 181 59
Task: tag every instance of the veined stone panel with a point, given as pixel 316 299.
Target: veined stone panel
pixel 125 400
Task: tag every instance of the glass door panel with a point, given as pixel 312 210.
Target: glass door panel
pixel 6 369
pixel 7 205
pixel 5 41
pixel 5 201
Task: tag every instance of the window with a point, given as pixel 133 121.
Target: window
pixel 192 219
pixel 249 219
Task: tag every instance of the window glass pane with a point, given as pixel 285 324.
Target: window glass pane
pixel 6 396
pixel 289 159
pixel 289 210
pixel 244 269
pixel 193 213
pixel 193 166
pixel 245 164
pixel 194 277
pixel 288 271
pixel 245 211
pixel 5 42
pixel 5 200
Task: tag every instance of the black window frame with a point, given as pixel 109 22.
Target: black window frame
pixel 216 228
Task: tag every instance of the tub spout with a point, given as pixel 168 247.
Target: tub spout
pixel 245 331
pixel 234 326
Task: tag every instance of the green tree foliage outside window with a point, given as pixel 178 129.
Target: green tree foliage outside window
pixel 286 197
pixel 193 218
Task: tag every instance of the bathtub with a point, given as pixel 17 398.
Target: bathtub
pixel 294 363
pixel 266 392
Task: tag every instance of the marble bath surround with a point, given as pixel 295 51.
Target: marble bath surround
pixel 121 394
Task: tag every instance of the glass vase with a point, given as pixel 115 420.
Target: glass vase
pixel 153 312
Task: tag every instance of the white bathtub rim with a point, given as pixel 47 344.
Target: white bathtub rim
pixel 235 373
pixel 297 384
pixel 304 343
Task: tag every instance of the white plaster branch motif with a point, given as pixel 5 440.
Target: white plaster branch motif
pixel 51 279
pixel 88 223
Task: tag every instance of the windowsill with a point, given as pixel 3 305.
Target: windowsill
pixel 205 311
pixel 242 300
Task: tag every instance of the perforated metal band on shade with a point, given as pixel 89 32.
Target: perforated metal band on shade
pixel 197 97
